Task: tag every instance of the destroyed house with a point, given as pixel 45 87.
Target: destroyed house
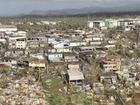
pixel 75 77
pixel 111 65
pixel 55 57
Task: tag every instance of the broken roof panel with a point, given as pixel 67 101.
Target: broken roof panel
pixel 75 75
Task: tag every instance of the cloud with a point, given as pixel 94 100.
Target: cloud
pixel 25 6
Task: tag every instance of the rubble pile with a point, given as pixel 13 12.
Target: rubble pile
pixel 24 91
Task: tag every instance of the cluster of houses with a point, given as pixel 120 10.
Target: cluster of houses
pixel 126 24
pixel 70 53
pixel 44 22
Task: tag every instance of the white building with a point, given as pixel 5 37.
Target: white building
pixel 127 24
pixel 20 33
pixel 97 24
pixel 60 50
pixel 50 22
pixel 17 42
pixel 39 56
pixel 8 28
pixel 21 43
pixel 61 45
pixel 77 43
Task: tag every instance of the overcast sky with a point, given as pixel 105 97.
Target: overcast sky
pixel 13 7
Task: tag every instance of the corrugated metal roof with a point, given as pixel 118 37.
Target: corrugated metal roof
pixel 75 75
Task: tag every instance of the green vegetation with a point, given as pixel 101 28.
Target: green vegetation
pixel 65 25
pixel 94 71
pixel 53 87
pixel 5 71
pixel 56 95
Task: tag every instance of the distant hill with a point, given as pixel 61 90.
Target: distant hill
pixel 87 10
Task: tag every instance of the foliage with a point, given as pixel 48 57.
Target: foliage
pixel 4 70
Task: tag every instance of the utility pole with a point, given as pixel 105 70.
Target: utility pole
pixel 137 35
pixel 88 17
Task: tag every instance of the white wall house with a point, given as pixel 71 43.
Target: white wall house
pixel 90 24
pixel 96 24
pixel 21 44
pixel 76 43
pixel 17 42
pixel 8 28
pixel 49 22
pixel 127 25
pixel 20 33
pixel 64 50
pixel 61 45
